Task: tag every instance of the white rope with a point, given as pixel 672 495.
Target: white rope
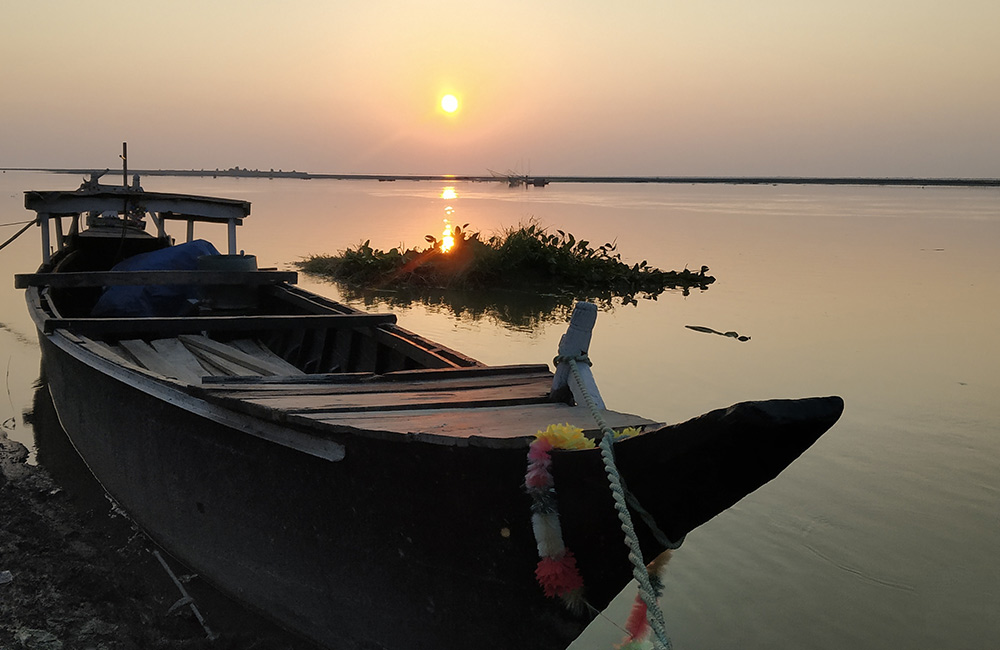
pixel 639 571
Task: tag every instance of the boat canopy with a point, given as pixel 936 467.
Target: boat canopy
pixel 94 198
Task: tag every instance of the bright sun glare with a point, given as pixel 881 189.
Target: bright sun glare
pixel 447 239
pixel 449 103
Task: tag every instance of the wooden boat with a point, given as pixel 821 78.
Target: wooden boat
pixel 359 484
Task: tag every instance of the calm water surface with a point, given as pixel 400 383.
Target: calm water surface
pixel 885 534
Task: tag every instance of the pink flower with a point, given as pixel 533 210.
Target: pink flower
pixel 539 449
pixel 558 576
pixel 538 477
pixel 539 461
pixel 637 625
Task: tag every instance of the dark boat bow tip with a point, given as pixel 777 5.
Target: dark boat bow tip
pixel 817 410
pixel 685 474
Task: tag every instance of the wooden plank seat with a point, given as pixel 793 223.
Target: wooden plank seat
pixel 174 325
pixel 143 278
pixel 333 392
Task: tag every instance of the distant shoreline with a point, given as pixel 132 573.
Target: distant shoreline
pixel 527 180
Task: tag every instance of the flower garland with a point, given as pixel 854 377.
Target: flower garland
pixel 557 572
pixel 637 625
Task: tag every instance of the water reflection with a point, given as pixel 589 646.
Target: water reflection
pixel 516 310
pixel 510 309
pixel 55 453
pixel 447 237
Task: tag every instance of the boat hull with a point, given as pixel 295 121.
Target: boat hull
pixel 402 544
pixel 398 545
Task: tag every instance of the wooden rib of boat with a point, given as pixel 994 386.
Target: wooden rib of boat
pixel 358 483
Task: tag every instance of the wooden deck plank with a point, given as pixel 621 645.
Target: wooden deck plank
pixel 223 363
pixel 468 371
pixel 261 352
pixel 237 385
pixel 258 364
pixel 177 354
pixel 493 422
pixel 401 400
pixel 108 352
pixel 152 360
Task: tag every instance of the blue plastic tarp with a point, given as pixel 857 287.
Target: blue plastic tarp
pixel 154 300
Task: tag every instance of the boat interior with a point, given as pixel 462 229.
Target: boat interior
pixel 250 339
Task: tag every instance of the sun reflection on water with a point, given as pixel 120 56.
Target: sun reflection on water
pixel 447 239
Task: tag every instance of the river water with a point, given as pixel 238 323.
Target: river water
pixel 885 534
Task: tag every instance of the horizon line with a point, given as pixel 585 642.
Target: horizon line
pixel 539 180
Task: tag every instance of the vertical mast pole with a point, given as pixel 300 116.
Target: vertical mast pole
pixel 124 164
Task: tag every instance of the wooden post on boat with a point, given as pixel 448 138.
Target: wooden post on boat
pixel 60 237
pixel 124 164
pixel 232 237
pixel 576 342
pixel 43 223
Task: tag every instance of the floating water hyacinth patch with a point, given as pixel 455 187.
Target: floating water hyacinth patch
pixel 527 256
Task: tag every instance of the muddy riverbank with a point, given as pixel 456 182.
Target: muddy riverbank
pixel 73 575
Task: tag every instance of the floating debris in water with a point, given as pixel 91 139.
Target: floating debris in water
pixel 709 330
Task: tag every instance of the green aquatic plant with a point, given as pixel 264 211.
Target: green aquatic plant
pixel 528 257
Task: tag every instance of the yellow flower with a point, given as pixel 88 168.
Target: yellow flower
pixel 566 436
pixel 627 432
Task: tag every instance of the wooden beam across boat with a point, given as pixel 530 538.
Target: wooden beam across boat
pixel 534 385
pixel 174 325
pixel 399 380
pixel 388 400
pixel 142 278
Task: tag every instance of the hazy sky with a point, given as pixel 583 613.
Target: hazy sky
pixel 726 87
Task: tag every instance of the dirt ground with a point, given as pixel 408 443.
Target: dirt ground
pixel 75 577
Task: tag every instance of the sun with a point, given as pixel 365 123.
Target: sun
pixel 449 103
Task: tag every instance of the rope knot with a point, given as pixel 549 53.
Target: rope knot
pixel 579 358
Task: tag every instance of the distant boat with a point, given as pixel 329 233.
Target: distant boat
pixel 361 485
